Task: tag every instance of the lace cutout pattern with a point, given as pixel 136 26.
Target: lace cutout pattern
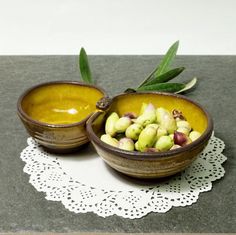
pixel 49 173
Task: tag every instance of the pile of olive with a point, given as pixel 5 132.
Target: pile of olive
pixel 153 130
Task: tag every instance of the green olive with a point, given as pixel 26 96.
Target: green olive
pixel 109 140
pixel 110 124
pixel 147 138
pixel 184 124
pixel 161 131
pixel 122 124
pixel 133 131
pixel 183 130
pixel 166 120
pixel 126 144
pixel 164 143
pixel 193 135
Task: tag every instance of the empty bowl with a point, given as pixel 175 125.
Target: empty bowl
pixel 55 113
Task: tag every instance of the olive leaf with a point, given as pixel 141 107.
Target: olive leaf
pixel 84 67
pixel 156 80
pixel 166 87
pixel 164 65
pixel 188 85
pixel 165 77
pixel 168 58
pixel 149 77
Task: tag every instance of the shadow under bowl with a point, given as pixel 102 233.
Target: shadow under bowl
pixel 55 113
pixel 151 165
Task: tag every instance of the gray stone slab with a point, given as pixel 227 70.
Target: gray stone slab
pixel 23 209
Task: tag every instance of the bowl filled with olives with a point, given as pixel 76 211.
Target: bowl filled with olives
pixel 149 134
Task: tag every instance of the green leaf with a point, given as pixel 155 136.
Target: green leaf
pixel 84 67
pixel 149 77
pixel 167 87
pixel 166 61
pixel 165 77
pixel 188 85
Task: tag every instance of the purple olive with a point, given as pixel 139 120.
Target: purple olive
pixel 180 138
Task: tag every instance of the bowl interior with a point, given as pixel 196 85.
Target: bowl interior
pixel 122 104
pixel 60 103
pixel 194 114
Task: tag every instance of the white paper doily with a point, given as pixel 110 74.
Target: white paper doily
pixel 84 183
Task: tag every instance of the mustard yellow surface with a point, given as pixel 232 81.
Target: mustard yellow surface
pixel 61 103
pixel 132 103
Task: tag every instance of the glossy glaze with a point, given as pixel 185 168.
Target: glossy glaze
pixel 151 165
pixel 60 103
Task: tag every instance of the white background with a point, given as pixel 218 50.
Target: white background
pixel 117 26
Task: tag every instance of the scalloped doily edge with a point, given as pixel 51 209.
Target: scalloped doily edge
pixel 48 197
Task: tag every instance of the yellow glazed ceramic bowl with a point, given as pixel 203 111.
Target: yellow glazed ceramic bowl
pixel 151 165
pixel 55 113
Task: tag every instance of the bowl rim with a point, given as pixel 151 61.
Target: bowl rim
pixel 150 155
pixel 26 117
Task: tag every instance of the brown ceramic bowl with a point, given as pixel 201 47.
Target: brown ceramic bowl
pixel 151 165
pixel 55 113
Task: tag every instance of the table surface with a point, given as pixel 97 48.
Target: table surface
pixel 22 208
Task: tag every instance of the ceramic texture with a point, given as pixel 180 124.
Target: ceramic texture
pixel 55 113
pixel 151 165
